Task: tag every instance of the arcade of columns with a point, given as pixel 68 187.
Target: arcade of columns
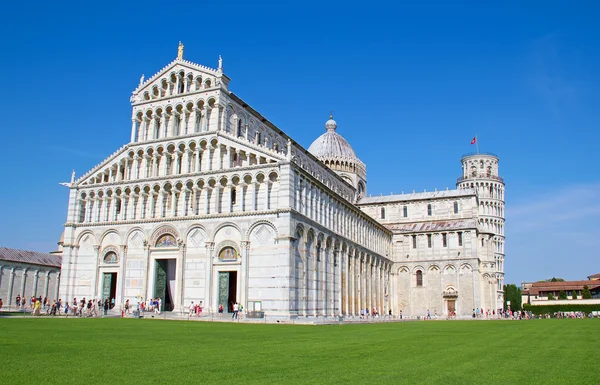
pixel 11 293
pixel 365 282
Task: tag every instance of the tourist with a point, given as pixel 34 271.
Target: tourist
pixel 106 306
pixel 127 307
pixel 1 303
pixel 220 310
pixel 390 313
pixel 192 309
pixel 400 314
pixel 37 308
pixel 199 309
pixel 240 310
pixel 235 311
pixel 18 300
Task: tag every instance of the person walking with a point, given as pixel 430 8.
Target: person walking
pixel 235 311
pixel 106 306
pixel 220 310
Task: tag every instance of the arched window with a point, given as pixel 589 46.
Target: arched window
pixel 382 213
pixel 414 241
pixel 239 128
pixel 405 211
pixel 419 278
pixel 111 257
pixel 455 207
pixel 429 209
pixel 444 240
pixel 233 195
pixel 460 240
pixel 429 240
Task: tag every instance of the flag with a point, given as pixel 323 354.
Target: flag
pixel 474 140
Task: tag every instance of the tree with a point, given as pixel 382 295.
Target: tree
pixel 550 296
pixel 512 293
pixel 586 294
pixel 562 294
pixel 554 279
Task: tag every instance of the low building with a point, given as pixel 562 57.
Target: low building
pixel 548 293
pixel 26 274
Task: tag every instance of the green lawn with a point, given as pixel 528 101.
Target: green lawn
pixel 441 352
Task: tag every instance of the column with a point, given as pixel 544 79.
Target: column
pixel 226 157
pixel 58 285
pixel 198 154
pixel 120 295
pixel 11 281
pixel 133 129
pixel 227 198
pixel 174 202
pixel 95 281
pixel 47 284
pixel 254 196
pixel 352 288
pixel 315 284
pixel 162 127
pixel 210 247
pixel 36 276
pixel 204 119
pixel 306 278
pixel 266 186
pixel 346 284
pixel 244 273
pixel 184 123
pixel 336 269
pixel 23 279
pixel 206 201
pixel 180 276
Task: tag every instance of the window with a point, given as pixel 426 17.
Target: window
pixel 118 206
pixel 460 238
pixel 233 196
pixel 382 213
pixel 111 257
pixel 429 240
pixel 414 241
pixel 405 211
pixel 239 128
pixel 455 207
pixel 429 210
pixel 419 278
pixel 482 242
pixel 444 240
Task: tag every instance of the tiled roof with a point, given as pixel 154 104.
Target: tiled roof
pixel 432 226
pixel 594 276
pixel 538 287
pixel 32 257
pixel 416 196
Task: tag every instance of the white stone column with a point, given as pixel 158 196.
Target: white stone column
pixel 315 282
pixel 23 279
pixel 47 284
pixel 96 272
pixel 206 201
pixel 198 157
pixel 244 273
pixel 36 276
pixel 255 196
pixel 266 186
pixel 133 129
pixel 204 120
pixel 210 247
pixel 11 281
pixel 120 295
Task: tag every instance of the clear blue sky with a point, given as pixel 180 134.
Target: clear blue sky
pixel 410 83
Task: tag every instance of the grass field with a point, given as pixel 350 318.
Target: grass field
pixel 432 352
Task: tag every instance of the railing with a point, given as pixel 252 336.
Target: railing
pixel 478 153
pixel 480 176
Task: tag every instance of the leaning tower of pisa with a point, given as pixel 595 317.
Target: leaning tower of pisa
pixel 480 173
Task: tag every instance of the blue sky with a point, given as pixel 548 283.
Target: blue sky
pixel 410 84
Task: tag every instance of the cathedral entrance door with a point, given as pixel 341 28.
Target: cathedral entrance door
pixel 164 283
pixel 451 306
pixel 227 289
pixel 109 287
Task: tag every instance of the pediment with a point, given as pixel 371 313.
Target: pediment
pixel 177 78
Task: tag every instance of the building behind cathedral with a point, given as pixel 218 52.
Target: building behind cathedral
pixel 211 202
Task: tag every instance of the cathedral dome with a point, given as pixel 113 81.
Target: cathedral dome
pixel 331 144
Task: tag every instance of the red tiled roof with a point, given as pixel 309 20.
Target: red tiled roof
pixel 537 287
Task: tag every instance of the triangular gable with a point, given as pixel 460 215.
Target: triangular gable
pixel 177 66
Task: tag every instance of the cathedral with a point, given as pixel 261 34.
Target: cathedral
pixel 211 202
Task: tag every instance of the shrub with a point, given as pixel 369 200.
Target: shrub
pixel 544 309
pixel 562 294
pixel 550 296
pixel 586 294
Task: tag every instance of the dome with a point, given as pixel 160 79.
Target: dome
pixel 331 144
